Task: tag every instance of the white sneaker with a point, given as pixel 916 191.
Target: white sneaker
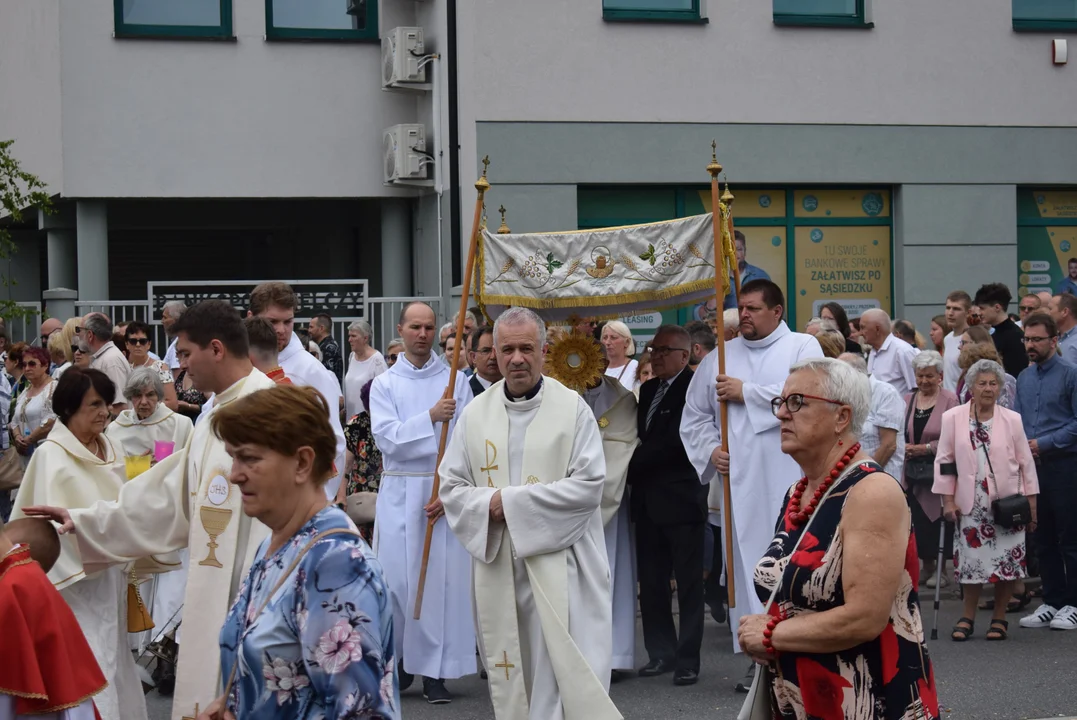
pixel 1041 618
pixel 1065 619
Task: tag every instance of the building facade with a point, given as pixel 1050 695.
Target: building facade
pixel 881 153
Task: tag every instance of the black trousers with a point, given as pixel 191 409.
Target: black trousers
pixel 714 593
pixel 660 551
pixel 1056 536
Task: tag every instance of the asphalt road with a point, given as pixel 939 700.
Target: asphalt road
pixel 1030 675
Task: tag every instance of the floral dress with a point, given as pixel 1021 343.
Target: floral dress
pixel 365 474
pixel 888 678
pixel 323 647
pixel 985 552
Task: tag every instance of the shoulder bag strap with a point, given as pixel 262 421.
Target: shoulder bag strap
pixel 280 583
pixel 908 414
pixel 774 592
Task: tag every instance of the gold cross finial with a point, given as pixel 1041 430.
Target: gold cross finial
pixel 714 168
pixel 727 196
pixel 485 165
pixel 482 184
pixel 504 229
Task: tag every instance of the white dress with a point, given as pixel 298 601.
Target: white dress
pixel 31 413
pixel 360 372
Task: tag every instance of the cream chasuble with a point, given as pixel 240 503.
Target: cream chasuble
pixel 64 473
pixel 541 578
pixel 761 473
pixel 185 501
pixel 615 411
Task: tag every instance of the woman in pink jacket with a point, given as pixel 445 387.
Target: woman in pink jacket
pixel 986 445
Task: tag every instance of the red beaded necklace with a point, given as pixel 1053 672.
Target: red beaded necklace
pixel 795 514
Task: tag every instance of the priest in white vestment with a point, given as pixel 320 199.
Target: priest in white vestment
pixel 522 487
pixel 64 470
pixel 614 408
pixel 757 364
pixel 407 410
pixel 277 303
pixel 186 501
pixel 148 431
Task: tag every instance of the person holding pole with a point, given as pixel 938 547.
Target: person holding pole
pixel 757 365
pixel 408 406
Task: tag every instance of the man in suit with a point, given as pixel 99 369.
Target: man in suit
pixel 483 358
pixel 669 507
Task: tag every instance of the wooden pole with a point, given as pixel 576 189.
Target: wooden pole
pixel 482 185
pixel 719 271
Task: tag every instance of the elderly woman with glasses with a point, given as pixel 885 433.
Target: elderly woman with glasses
pixel 843 634
pixel 364 365
pixel 392 350
pixel 983 455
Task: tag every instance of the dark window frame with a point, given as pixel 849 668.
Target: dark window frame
pixel 857 20
pixel 367 34
pixel 223 31
pixel 693 15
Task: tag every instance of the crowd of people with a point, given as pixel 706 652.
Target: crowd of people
pixel 858 455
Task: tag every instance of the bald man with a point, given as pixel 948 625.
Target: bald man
pixel 891 357
pixel 48 328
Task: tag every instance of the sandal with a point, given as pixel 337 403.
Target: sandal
pixel 998 631
pixel 1019 602
pixel 961 633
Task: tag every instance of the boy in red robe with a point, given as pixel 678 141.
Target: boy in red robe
pixel 48 666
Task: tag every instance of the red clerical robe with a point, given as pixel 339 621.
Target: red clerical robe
pixel 48 665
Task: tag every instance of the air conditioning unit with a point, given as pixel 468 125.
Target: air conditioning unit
pixel 401 51
pixel 405 148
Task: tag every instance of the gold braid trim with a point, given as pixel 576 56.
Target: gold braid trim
pixel 15 564
pixel 52 708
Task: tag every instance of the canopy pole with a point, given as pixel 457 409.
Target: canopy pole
pixel 482 185
pixel 720 275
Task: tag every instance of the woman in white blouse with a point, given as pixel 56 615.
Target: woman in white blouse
pixel 33 417
pixel 365 364
pixel 619 346
pixel 137 336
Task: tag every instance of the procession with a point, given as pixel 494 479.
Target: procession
pixel 575 360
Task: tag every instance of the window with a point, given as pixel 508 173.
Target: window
pixel 653 10
pixel 168 18
pixel 821 13
pixel 322 19
pixel 1045 14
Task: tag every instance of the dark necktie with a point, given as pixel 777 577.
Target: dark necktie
pixel 661 393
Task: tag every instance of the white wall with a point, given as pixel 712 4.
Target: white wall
pixel 30 86
pixel 250 118
pixel 925 63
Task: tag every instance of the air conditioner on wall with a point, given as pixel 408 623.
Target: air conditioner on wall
pixel 402 49
pixel 405 154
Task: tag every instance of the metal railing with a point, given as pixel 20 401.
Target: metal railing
pixel 384 314
pixel 26 328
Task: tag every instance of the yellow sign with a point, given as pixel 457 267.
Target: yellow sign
pixel 751 203
pixel 851 203
pixel 1057 204
pixel 850 265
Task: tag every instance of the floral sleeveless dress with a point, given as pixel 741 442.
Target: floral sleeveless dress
pixel 888 678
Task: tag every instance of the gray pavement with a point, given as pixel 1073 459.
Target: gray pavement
pixel 1033 674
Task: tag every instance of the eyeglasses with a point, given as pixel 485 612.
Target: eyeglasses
pixel 79 328
pixel 1029 339
pixel 796 401
pixel 664 349
pixel 30 364
pixel 75 349
pixel 392 357
pixel 138 341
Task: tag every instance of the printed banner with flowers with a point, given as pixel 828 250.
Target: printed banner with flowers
pixel 610 272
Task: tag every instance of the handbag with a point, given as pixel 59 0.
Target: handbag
pixel 361 507
pixel 919 469
pixel 1012 511
pixel 11 470
pixel 138 617
pixel 758 704
pixel 280 583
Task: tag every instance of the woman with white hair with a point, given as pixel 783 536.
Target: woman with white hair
pixel 983 456
pixel 620 347
pixel 842 634
pixel 147 430
pixel 364 365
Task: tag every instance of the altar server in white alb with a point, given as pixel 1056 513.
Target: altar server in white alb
pixel 614 408
pixel 757 364
pixel 522 487
pixel 186 501
pixel 407 409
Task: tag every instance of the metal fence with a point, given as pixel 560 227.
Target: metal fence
pixel 26 328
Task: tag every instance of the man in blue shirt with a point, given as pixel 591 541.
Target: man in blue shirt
pixel 1063 308
pixel 1068 284
pixel 747 272
pixel 1047 403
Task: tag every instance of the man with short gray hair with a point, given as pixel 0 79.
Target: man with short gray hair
pixel 522 488
pixel 95 338
pixel 891 357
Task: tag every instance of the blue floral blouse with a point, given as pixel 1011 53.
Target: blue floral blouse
pixel 323 647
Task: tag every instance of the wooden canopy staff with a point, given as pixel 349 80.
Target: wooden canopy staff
pixel 721 276
pixel 482 185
